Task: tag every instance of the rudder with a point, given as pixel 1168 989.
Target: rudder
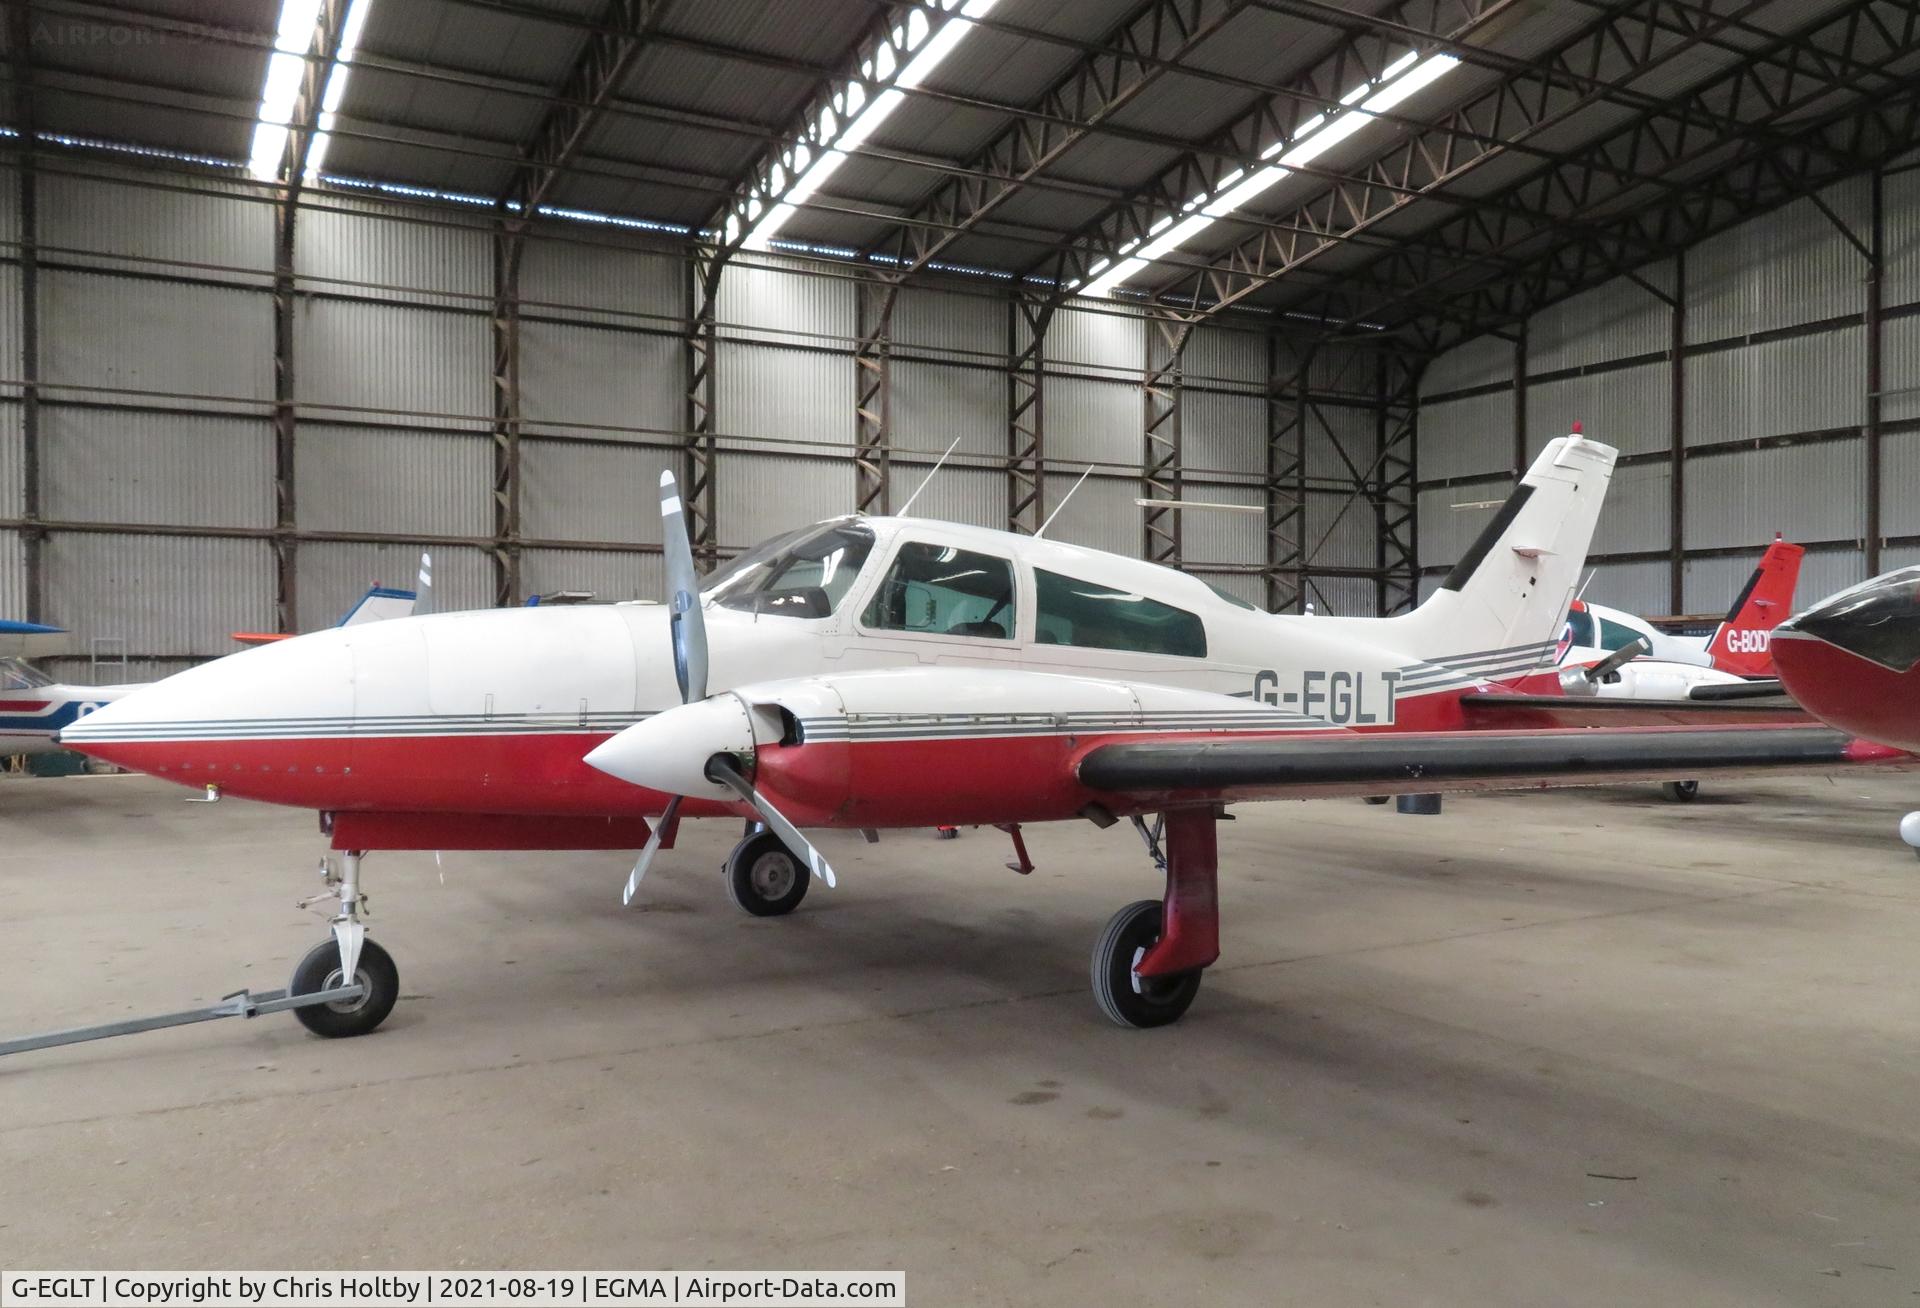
pixel 1742 643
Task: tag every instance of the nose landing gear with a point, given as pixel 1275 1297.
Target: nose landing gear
pixel 763 876
pixel 1148 960
pixel 347 959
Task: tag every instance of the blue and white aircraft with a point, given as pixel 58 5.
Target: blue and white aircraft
pixel 33 706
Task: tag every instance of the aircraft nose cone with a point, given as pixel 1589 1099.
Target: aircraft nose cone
pixel 668 752
pixel 1878 620
pixel 255 722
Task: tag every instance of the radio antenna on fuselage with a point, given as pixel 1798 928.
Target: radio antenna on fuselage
pixel 1062 504
pixel 902 512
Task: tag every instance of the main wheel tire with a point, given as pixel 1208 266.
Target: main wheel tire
pixel 1131 1000
pixel 1680 792
pixel 764 878
pixel 320 970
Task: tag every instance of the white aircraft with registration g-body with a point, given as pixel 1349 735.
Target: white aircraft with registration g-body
pixel 897 672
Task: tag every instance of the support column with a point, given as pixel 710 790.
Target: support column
pixel 1876 278
pixel 1677 460
pixel 285 422
pixel 1397 499
pixel 33 538
pixel 1520 459
pixel 697 452
pixel 873 397
pixel 508 243
pixel 1160 472
pixel 1026 414
pixel 1286 476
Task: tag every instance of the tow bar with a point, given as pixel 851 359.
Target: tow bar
pixel 241 1003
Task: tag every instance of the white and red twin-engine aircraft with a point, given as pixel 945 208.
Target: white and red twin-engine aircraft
pixel 894 672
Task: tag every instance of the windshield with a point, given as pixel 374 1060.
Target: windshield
pixel 803 574
pixel 15 675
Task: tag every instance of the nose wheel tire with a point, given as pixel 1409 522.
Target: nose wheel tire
pixel 1680 792
pixel 1131 1000
pixel 764 878
pixel 320 970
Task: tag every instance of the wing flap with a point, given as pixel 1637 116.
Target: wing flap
pixel 1502 710
pixel 1191 771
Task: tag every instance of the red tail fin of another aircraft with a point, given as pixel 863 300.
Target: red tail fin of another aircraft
pixel 1742 644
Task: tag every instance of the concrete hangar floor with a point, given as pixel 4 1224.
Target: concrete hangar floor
pixel 1556 1048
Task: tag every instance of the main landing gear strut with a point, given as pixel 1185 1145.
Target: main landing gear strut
pixel 1148 960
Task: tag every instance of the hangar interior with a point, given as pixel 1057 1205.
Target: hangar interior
pixel 1285 294
pixel 238 392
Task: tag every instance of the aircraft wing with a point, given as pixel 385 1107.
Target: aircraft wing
pixel 923 746
pixel 27 640
pixel 377 605
pixel 1177 772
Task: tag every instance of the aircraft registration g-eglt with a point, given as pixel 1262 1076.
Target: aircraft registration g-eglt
pixel 899 672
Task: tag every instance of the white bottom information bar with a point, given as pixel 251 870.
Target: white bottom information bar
pixel 747 1289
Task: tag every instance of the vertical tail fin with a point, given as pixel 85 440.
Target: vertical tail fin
pixel 1742 644
pixel 1504 602
pixel 377 605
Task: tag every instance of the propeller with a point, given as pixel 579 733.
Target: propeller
pixel 630 757
pixel 683 596
pixel 722 769
pixel 1586 681
pixel 688 628
pixel 423 600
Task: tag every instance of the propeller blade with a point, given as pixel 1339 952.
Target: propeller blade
pixel 722 770
pixel 683 596
pixel 423 601
pixel 1619 658
pixel 660 829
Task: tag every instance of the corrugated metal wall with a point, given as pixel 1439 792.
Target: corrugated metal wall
pixel 159 460
pixel 1776 425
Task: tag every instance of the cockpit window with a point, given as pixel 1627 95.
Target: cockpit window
pixel 803 574
pixel 15 675
pixel 1580 629
pixel 1615 636
pixel 1073 612
pixel 945 591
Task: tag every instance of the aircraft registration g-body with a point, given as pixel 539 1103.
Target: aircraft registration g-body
pixel 898 672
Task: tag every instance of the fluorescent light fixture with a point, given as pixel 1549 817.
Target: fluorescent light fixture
pixel 1402 78
pixel 336 89
pixel 291 41
pixel 1204 505
pixel 845 123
